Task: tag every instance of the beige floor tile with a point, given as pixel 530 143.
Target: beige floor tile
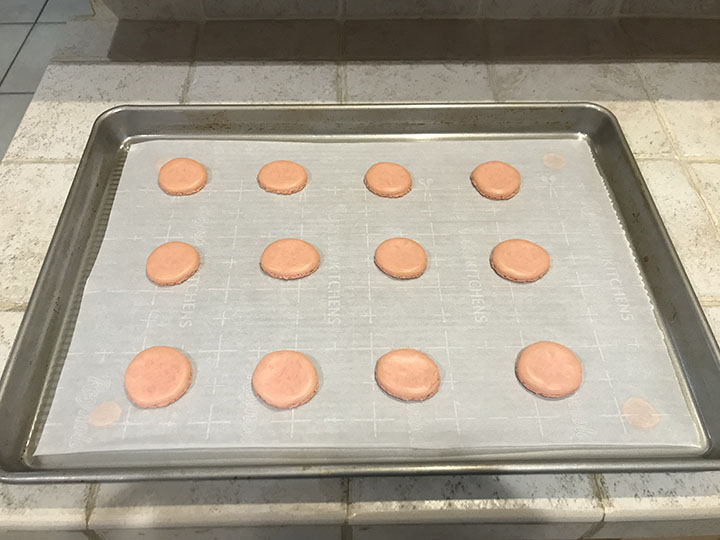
pixel 661 505
pixel 220 503
pixel 713 317
pixel 54 131
pixel 688 95
pixel 263 83
pixel 127 83
pixel 71 96
pixel 59 508
pixel 558 506
pixel 689 225
pixel 707 176
pixel 615 86
pixel 9 323
pixel 31 198
pixel 382 82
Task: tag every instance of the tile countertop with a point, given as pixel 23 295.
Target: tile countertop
pixel 670 113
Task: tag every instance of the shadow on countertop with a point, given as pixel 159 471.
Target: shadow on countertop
pixel 490 40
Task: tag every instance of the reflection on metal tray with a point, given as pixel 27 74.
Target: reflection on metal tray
pixel 337 143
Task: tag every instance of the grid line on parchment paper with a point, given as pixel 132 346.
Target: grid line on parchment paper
pixel 437 230
pixel 437 265
pixel 550 180
pixel 370 262
pixel 511 289
pixel 148 318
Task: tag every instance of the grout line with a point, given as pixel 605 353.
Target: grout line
pixel 40 161
pixel 199 29
pixel 666 16
pixel 342 10
pixel 27 36
pixel 687 170
pixel 598 17
pixel 702 159
pixel 340 73
pixel 91 534
pixel 13 307
pixel 69 59
pixel 644 157
pixel 550 17
pixel 706 301
pixel 340 83
pixel 185 91
pixel 104 61
pixel 12 62
pixel 346 529
pixel 695 184
pixel 601 497
pixel 492 82
pixel 628 44
pixel 478 10
pixel 90 501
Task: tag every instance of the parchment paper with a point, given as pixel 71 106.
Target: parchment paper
pixel 347 314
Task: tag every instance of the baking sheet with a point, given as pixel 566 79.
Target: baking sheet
pixel 348 313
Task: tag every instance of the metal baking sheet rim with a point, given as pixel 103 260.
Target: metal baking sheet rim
pixel 681 316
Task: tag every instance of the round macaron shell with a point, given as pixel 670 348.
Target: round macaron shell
pixel 388 180
pixel 282 177
pixel 401 258
pixel 182 176
pixel 520 260
pixel 496 180
pixel 549 369
pixel 289 258
pixel 172 263
pixel 285 379
pixel 157 376
pixel 407 374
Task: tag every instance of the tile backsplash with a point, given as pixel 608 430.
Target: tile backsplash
pixel 195 10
